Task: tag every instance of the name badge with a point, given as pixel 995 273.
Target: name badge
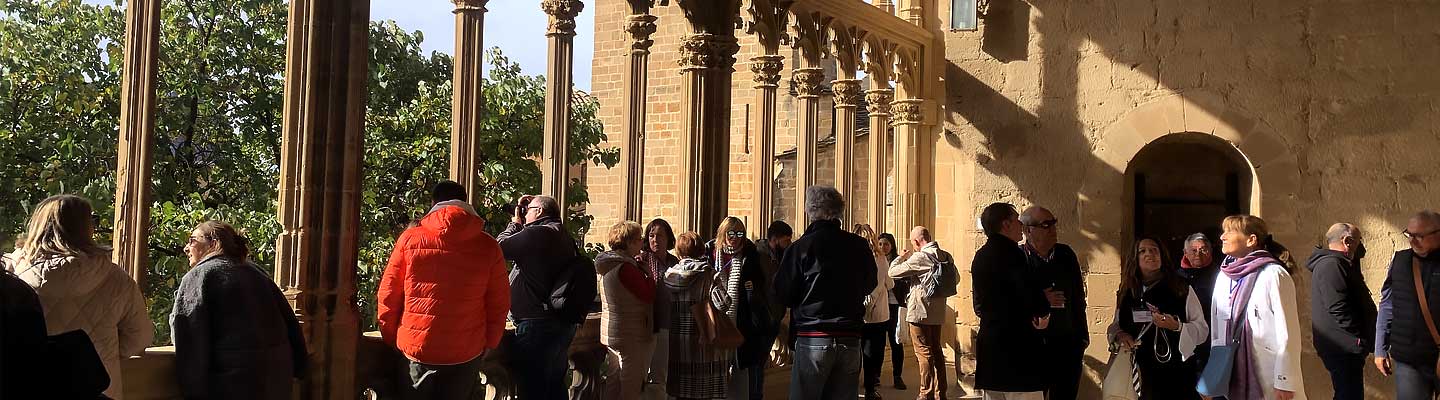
pixel 1140 316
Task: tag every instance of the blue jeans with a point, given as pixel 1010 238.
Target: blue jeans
pixel 826 368
pixel 1414 382
pixel 540 358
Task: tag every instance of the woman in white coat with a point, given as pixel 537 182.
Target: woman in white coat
pixel 79 287
pixel 1255 281
pixel 877 316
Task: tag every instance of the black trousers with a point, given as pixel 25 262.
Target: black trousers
pixel 872 353
pixel 1067 360
pixel 1347 374
pixel 897 350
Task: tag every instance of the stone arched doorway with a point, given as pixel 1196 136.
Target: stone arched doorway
pixel 1184 183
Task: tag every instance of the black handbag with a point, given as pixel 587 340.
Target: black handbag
pixel 76 371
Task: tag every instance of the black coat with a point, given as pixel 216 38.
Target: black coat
pixel 235 335
pixel 1008 348
pixel 1068 326
pixel 22 340
pixel 824 278
pixel 1342 313
pixel 752 310
pixel 540 250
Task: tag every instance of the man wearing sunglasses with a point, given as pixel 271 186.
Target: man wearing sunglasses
pixel 1404 344
pixel 1342 315
pixel 1055 269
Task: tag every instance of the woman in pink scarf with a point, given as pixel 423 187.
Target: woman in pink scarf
pixel 1253 308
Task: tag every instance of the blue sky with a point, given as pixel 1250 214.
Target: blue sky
pixel 516 26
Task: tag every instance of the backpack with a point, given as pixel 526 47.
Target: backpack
pixel 942 279
pixel 575 291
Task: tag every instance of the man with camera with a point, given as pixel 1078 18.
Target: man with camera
pixel 544 255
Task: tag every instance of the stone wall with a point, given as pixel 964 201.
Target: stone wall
pixel 1333 104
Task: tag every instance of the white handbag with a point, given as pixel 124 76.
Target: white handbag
pixel 1122 381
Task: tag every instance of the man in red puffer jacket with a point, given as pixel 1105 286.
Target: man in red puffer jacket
pixel 444 296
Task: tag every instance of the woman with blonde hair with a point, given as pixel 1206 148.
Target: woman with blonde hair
pixel 236 336
pixel 1253 313
pixel 739 292
pixel 79 287
pixel 627 319
pixel 877 314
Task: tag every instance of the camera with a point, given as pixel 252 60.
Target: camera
pixel 517 207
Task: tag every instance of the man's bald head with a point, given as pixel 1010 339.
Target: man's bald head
pixel 921 233
pixel 1035 215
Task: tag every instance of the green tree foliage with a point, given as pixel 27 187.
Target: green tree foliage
pixel 218 122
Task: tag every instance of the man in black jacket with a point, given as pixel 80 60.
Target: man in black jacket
pixel 1055 267
pixel 1401 331
pixel 823 279
pixel 1341 311
pixel 541 249
pixel 1012 312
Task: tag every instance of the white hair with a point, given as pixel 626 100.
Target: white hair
pixel 823 203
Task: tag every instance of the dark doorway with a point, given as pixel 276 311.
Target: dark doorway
pixel 1186 183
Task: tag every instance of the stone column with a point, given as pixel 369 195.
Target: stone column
pixel 137 132
pixel 913 143
pixel 468 103
pixel 879 62
pixel 555 167
pixel 640 24
pixel 320 184
pixel 811 33
pixel 847 43
pixel 768 20
pixel 707 60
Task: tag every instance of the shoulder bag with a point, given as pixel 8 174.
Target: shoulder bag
pixel 1215 379
pixel 1425 307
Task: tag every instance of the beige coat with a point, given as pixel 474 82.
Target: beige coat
pixel 625 319
pixel 877 304
pixel 92 294
pixel 920 309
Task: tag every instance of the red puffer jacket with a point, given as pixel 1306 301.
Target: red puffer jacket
pixel 445 292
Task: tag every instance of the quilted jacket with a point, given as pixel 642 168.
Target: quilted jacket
pixel 445 292
pixel 91 293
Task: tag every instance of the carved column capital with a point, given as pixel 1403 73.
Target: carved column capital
pixel 767 70
pixel 907 111
pixel 640 27
pixel 562 15
pixel 847 92
pixel 878 101
pixel 469 5
pixel 707 51
pixel 808 81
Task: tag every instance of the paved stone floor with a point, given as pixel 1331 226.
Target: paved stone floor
pixel 777 382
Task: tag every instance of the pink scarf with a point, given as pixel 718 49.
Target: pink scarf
pixel 1244 379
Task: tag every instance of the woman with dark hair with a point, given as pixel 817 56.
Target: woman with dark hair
pixel 1159 317
pixel 877 317
pixel 22 339
pixel 235 335
pixel 655 256
pixel 1253 311
pixel 897 295
pixel 78 285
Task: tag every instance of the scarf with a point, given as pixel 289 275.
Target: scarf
pixel 656 263
pixel 1185 263
pixel 1244 377
pixel 727 274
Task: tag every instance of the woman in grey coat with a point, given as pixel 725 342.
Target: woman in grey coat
pixel 235 335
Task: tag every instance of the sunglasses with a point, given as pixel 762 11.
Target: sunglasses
pixel 735 235
pixel 195 239
pixel 1046 224
pixel 1418 236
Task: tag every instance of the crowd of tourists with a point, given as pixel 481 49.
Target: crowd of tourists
pixel 683 317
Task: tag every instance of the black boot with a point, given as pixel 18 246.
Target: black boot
pixel 872 394
pixel 899 383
